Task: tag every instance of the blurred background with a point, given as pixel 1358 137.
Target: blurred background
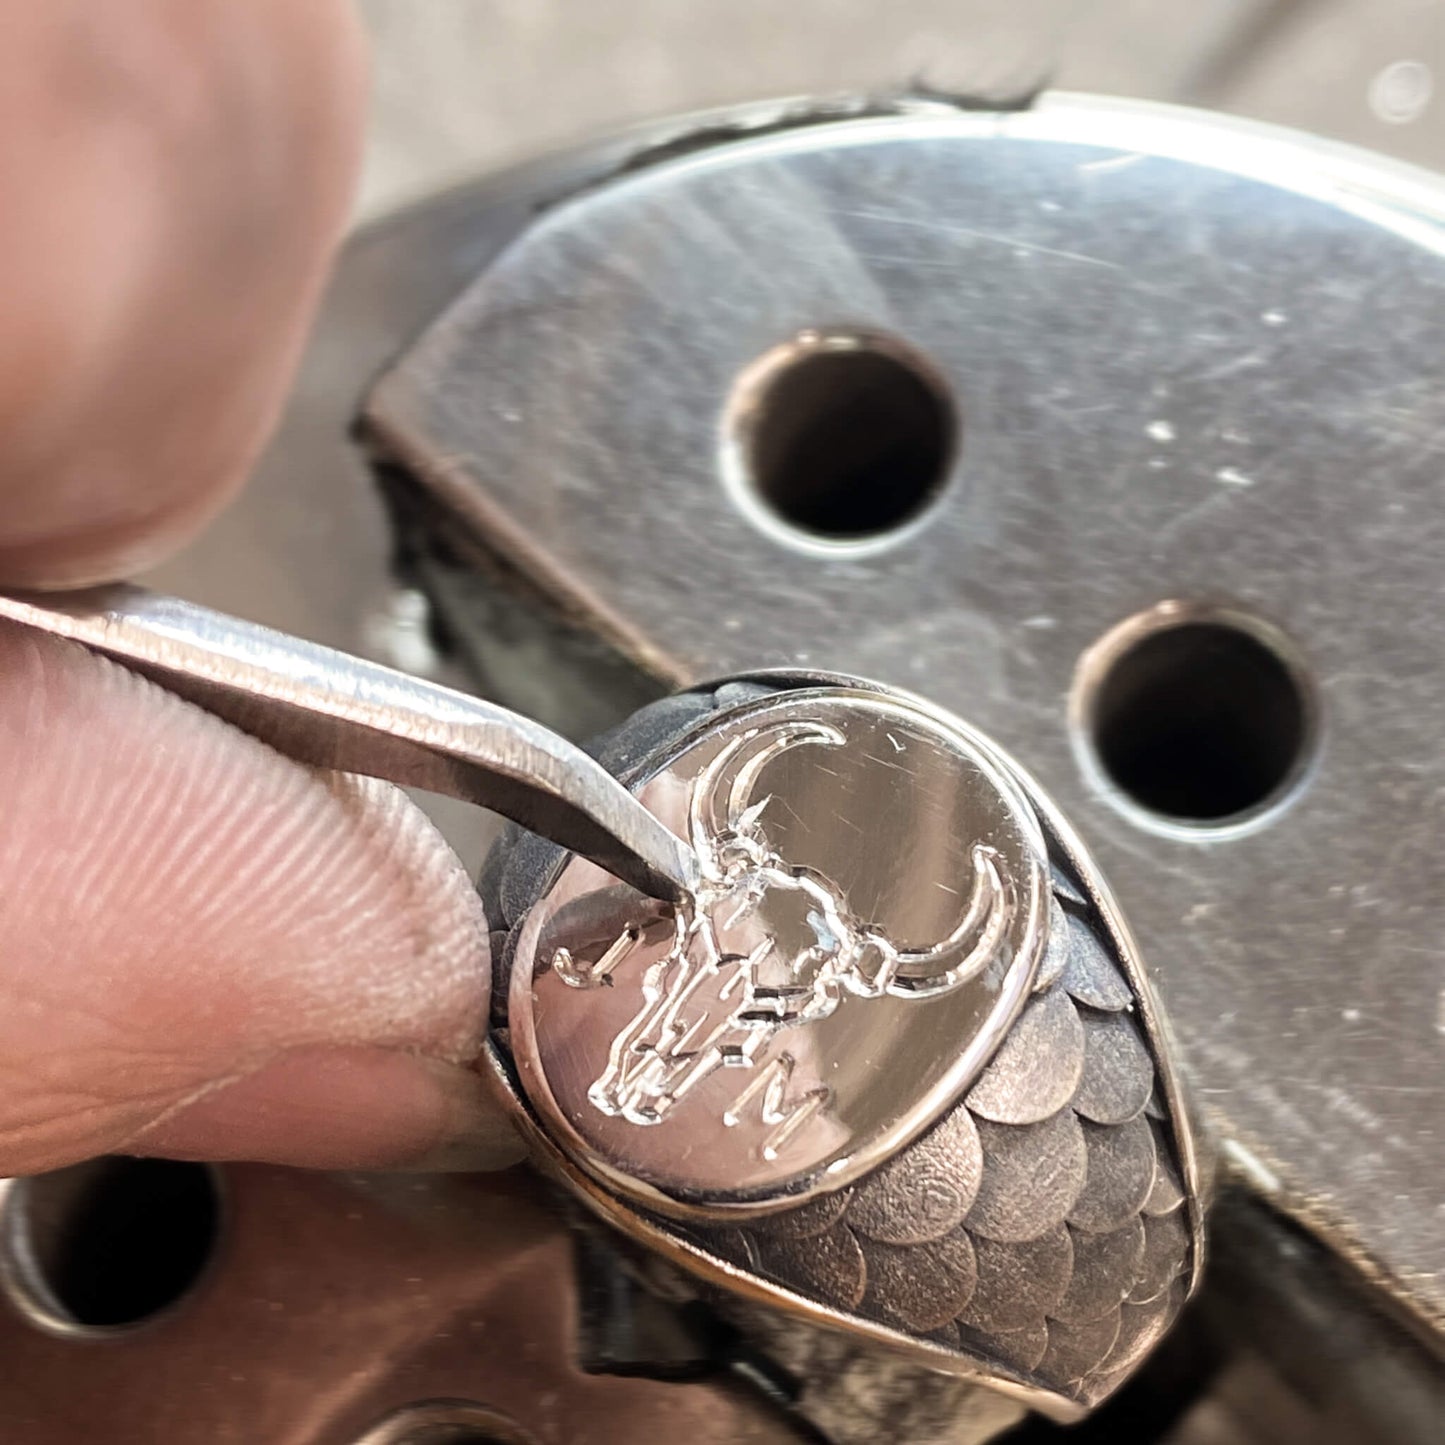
pixel 469 85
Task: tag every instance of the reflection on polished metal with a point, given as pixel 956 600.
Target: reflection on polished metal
pixel 447 1422
pixel 894 1064
pixel 336 711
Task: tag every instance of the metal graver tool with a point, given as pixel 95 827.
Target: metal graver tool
pixel 893 1065
pixel 333 710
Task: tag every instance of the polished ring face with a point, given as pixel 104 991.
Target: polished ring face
pixel 896 1068
pixel 872 907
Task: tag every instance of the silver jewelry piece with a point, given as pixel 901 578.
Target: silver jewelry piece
pixel 893 1065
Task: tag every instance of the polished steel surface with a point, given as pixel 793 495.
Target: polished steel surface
pixel 336 711
pixel 976 1145
pixel 1193 360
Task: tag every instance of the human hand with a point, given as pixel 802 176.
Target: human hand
pixel 205 950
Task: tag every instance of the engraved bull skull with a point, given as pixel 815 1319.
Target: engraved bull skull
pixel 708 1007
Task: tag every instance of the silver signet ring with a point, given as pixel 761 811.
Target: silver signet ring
pixel 894 1067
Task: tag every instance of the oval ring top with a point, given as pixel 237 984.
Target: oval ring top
pixel 869 919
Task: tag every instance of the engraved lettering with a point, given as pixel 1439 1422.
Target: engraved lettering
pixel 786 1115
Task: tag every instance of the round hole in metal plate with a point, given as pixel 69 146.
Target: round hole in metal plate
pixel 446 1422
pixel 839 438
pixel 107 1245
pixel 1198 719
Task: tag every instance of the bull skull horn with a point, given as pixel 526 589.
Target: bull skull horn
pixel 974 942
pixel 736 769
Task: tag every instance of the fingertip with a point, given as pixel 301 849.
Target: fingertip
pixel 185 909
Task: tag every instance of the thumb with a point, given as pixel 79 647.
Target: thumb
pixel 208 951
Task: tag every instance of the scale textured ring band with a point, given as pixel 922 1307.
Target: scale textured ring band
pixel 894 1068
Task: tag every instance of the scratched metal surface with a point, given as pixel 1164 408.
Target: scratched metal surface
pixel 463 88
pixel 1209 372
